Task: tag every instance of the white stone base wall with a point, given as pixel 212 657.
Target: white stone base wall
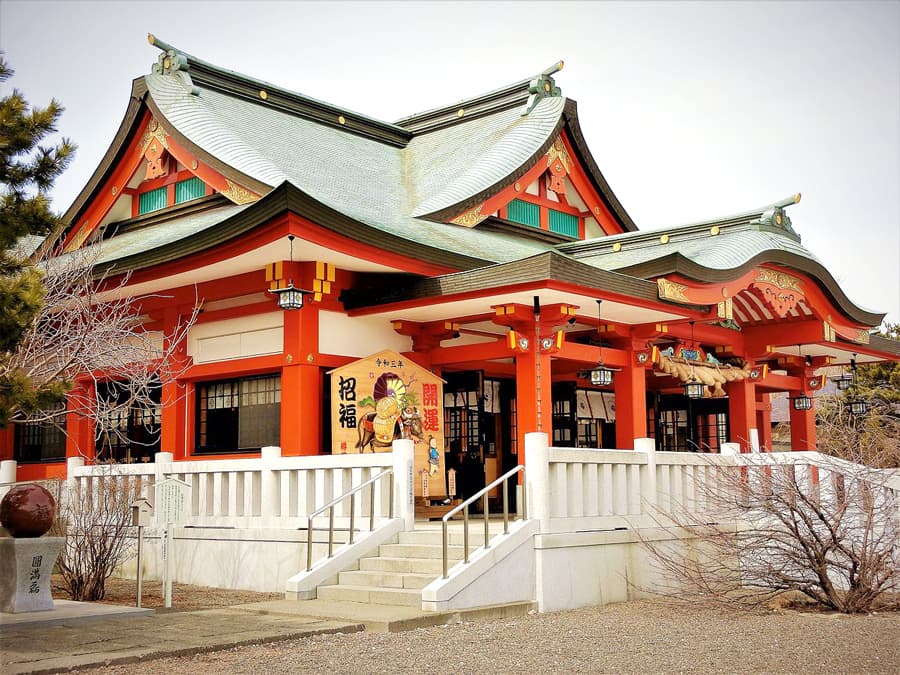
pixel 581 569
pixel 248 559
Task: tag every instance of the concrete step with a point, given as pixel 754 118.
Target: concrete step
pixel 420 551
pixel 385 579
pixel 436 537
pixel 389 564
pixel 383 618
pixel 407 597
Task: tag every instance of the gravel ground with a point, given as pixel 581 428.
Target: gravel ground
pixel 184 597
pixel 645 636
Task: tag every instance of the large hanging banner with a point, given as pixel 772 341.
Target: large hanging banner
pixel 385 397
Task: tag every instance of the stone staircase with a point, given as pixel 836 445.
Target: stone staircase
pixel 397 575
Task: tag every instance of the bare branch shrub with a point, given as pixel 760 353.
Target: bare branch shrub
pixel 774 523
pixel 872 439
pixel 91 330
pixel 95 518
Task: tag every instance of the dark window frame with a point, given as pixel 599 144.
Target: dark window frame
pixel 218 430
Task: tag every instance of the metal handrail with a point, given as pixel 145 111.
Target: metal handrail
pixel 464 507
pixel 334 502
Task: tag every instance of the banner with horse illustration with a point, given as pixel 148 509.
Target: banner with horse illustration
pixel 384 397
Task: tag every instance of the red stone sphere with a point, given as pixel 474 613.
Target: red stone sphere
pixel 27 511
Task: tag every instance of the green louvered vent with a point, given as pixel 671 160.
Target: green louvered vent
pixel 524 213
pixel 152 201
pixel 186 190
pixel 563 223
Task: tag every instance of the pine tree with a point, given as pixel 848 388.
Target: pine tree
pixel 27 172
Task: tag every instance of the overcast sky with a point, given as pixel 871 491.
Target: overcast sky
pixel 692 110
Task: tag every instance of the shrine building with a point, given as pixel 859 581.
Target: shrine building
pixel 477 246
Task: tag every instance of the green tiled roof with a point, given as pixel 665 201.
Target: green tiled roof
pixel 370 181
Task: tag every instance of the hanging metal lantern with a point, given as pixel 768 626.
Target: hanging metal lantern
pixel 694 389
pixel 802 402
pixel 859 406
pixel 843 381
pixel 290 297
pixel 601 376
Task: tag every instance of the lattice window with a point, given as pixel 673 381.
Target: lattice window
pixel 239 415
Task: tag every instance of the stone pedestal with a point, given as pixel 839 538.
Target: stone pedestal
pixel 25 568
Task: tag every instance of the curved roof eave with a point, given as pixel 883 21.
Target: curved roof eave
pixel 568 120
pixel 283 198
pixel 676 263
pixel 550 266
pixel 447 213
pixel 570 113
pixel 117 147
pixel 208 158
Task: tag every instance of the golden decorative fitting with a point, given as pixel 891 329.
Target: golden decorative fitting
pixel 289 358
pixel 518 187
pixel 664 239
pixel 617 247
pixel 779 279
pixel 239 194
pixel 460 112
pixel 470 218
pixel 195 164
pixel 114 190
pixel 714 230
pixel 558 151
pixel 597 210
pixel 263 94
pixel 341 119
pixel 669 290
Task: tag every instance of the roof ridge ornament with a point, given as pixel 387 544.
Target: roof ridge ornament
pixel 543 86
pixel 172 61
pixel 775 216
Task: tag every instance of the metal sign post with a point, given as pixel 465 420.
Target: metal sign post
pixel 172 500
pixel 141 512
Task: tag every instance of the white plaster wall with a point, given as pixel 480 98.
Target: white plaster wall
pixel 359 336
pixel 501 574
pixel 236 338
pixel 255 560
pixel 581 569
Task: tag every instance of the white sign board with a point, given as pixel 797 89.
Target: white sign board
pixel 172 501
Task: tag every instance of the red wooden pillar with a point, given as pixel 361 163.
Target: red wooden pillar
pixel 79 429
pixel 534 402
pixel 301 384
pixel 764 420
pixel 630 386
pixel 173 422
pixel 741 411
pixel 803 426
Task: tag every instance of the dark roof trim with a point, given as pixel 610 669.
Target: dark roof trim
pixel 570 112
pixel 116 149
pixel 885 345
pixel 676 263
pixel 543 267
pixel 287 198
pixel 496 101
pixel 205 74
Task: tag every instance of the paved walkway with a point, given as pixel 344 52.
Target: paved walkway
pixel 73 635
pixel 78 643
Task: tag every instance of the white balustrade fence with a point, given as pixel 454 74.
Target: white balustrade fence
pixel 271 491
pixel 626 489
